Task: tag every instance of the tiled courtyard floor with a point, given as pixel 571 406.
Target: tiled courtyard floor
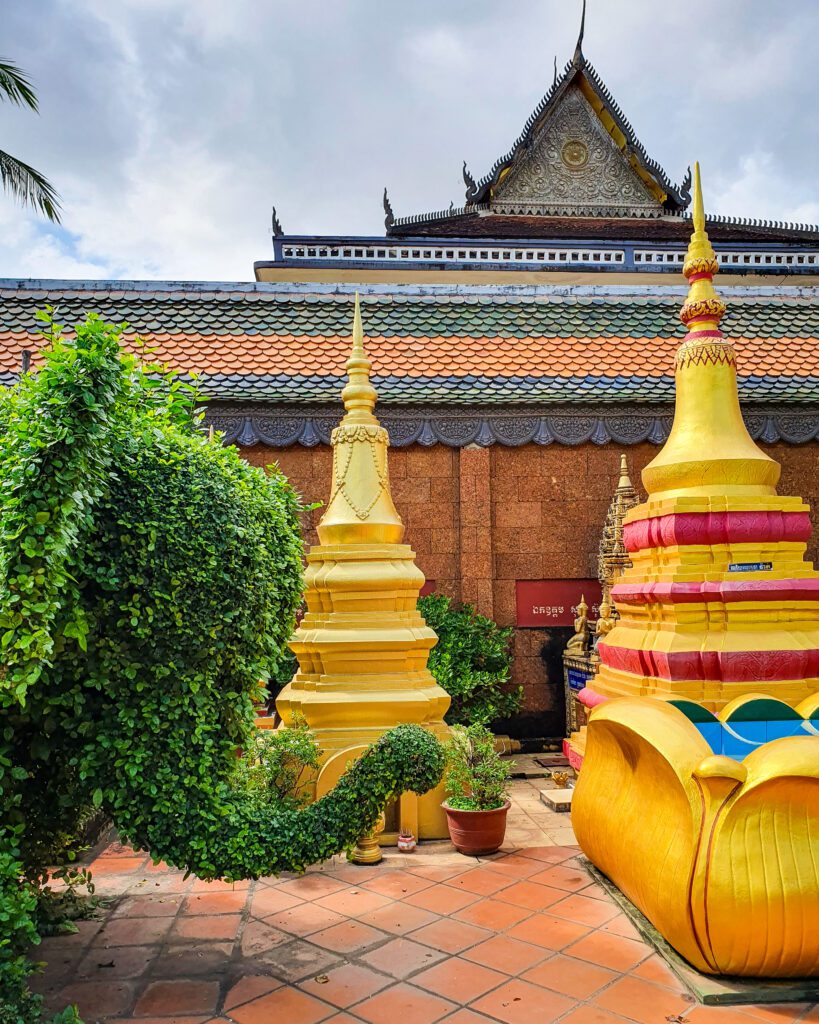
pixel 520 938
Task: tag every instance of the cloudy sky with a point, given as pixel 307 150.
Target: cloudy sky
pixel 170 127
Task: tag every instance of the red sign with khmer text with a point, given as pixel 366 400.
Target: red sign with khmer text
pixel 554 602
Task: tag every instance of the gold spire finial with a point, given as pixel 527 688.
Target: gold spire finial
pixel 625 480
pixel 358 395
pixel 702 309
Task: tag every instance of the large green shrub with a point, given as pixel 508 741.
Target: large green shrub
pixel 148 578
pixel 471 661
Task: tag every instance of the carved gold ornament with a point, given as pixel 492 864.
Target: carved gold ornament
pixel 575 153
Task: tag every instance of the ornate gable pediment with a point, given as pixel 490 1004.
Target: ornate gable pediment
pixel 573 167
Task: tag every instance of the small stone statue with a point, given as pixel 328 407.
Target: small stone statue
pixel 580 641
pixel 606 620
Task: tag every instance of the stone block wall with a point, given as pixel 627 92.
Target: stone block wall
pixel 480 519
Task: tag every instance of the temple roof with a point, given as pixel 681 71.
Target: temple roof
pixel 440 345
pixel 577 156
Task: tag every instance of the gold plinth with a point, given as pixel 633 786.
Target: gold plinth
pixel 362 646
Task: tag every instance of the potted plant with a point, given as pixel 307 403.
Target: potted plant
pixel 477 797
pixel 406 840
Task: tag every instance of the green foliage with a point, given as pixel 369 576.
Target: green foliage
pixel 148 578
pixel 471 661
pixel 477 777
pixel 279 766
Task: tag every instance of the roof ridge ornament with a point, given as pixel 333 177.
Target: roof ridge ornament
pixel 578 60
pixel 275 223
pixel 389 219
pixel 469 181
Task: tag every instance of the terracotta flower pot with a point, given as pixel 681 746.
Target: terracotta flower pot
pixel 476 832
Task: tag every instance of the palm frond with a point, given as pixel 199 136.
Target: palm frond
pixel 29 187
pixel 16 86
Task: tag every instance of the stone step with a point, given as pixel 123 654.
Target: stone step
pixel 557 799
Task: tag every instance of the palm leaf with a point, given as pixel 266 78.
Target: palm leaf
pixel 29 187
pixel 15 85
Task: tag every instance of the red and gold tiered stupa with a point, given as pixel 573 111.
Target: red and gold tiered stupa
pixel 718 601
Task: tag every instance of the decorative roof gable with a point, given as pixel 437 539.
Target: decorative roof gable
pixel 577 156
pixel 572 167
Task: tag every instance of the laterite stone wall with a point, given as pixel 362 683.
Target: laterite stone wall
pixel 480 519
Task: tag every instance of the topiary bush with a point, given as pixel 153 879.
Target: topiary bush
pixel 148 579
pixel 471 661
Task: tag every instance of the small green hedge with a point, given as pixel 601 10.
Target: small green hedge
pixel 471 661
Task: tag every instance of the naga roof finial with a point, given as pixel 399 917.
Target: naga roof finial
pixel 578 58
pixel 276 224
pixel 389 219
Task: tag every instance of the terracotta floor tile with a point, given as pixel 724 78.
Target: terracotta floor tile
pixel 621 925
pixel 206 926
pixel 402 1002
pixel 266 901
pixel 310 887
pixel 117 866
pixel 97 998
pixel 215 903
pixel 464 1016
pixel 149 905
pixel 777 1013
pixel 353 902
pixel 400 918
pixel 719 1015
pixel 513 864
pixel 591 1014
pixel 345 985
pixel 201 885
pixel 482 881
pixel 355 874
pixel 118 850
pixel 259 936
pixel 459 980
pixel 550 854
pixel 162 998
pixel 519 1002
pixel 101 964
pixel 531 895
pixel 172 882
pixel 439 874
pixel 451 936
pixel 609 950
pixel 641 1001
pixel 304 919
pixel 442 899
pixel 561 876
pixel 493 914
pixel 583 910
pixel 570 977
pixel 250 987
pixel 135 931
pixel 547 931
pixel 348 937
pixel 193 959
pixel 397 884
pixel 506 954
pixel 655 969
pixel 176 1018
pixel 401 957
pixel 285 1004
pixel 299 960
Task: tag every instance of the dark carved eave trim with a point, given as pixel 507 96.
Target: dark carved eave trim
pixel 282 426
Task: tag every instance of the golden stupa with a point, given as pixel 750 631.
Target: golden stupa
pixel 718 598
pixel 718 605
pixel 362 646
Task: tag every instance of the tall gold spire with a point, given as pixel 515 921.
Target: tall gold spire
pixel 709 450
pixel 360 509
pixel 358 395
